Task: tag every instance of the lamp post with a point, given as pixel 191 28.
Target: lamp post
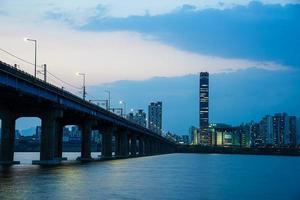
pixel 83 76
pixel 35 52
pixel 108 92
pixel 124 104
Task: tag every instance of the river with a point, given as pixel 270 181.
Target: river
pixel 173 176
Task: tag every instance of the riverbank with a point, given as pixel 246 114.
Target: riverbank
pixel 238 150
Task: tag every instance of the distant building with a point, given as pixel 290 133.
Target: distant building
pixel 298 132
pixel 194 135
pixel 266 129
pixel 204 108
pixel 155 117
pixel 244 131
pixel 173 137
pixel 292 131
pixel 255 134
pixel 185 139
pixel 130 116
pixel 280 128
pixel 139 118
pixel 224 135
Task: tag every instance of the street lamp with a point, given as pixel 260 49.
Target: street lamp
pixel 83 76
pixel 35 52
pixel 124 104
pixel 108 92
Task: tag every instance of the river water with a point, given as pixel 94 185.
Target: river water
pixel 173 176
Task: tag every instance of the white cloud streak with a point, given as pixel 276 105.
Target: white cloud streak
pixel 108 56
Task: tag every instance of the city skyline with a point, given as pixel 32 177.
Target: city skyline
pixel 143 99
pixel 88 29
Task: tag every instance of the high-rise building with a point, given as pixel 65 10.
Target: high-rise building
pixel 266 130
pixel 155 117
pixel 245 135
pixel 280 128
pixel 140 118
pixel 292 131
pixel 204 108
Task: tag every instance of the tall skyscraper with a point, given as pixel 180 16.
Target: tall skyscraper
pixel 155 117
pixel 204 108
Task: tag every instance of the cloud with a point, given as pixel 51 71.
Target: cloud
pixel 256 31
pixel 111 56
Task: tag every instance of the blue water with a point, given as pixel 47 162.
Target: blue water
pixel 173 176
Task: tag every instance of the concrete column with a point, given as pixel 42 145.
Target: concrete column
pixel 7 138
pixel 124 144
pixel 86 129
pixel 50 123
pixel 147 146
pixel 117 144
pixel 133 145
pixel 107 143
pixel 59 140
pixel 141 146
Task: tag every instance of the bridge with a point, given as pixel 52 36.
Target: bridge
pixel 23 95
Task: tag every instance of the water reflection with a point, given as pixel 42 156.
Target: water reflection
pixel 176 176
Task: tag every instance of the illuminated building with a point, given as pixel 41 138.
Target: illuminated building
pixel 155 117
pixel 204 108
pixel 194 135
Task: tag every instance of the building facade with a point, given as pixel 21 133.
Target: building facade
pixel 205 138
pixel 194 135
pixel 266 129
pixel 155 117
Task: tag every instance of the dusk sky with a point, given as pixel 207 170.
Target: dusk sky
pixel 251 49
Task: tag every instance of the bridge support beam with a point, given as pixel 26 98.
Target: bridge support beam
pixel 7 138
pixel 107 142
pixel 124 144
pixel 141 146
pixel 133 145
pixel 50 124
pixel 86 129
pixel 117 144
pixel 147 146
pixel 59 141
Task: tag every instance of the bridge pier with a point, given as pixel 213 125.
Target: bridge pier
pixel 147 146
pixel 124 144
pixel 86 129
pixel 107 142
pixel 50 124
pixel 59 140
pixel 7 138
pixel 133 145
pixel 141 146
pixel 117 145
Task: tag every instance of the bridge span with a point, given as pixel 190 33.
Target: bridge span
pixel 23 95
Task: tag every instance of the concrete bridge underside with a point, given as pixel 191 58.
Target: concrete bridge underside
pixel 24 96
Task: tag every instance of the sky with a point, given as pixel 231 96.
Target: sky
pixel 139 41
